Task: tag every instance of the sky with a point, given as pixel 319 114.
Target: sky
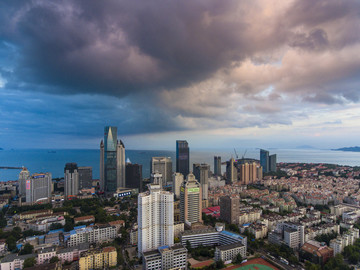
pixel 260 73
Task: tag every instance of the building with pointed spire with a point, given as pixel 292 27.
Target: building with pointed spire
pixel 112 161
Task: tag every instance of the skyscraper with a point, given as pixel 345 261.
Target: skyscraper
pixel 155 219
pixel 217 165
pixel 190 200
pixel 267 162
pixel 23 176
pixel 162 165
pixel 231 172
pixel 38 187
pixel 71 178
pixel 182 157
pixel 178 179
pixel 264 160
pixel 272 163
pixel 134 176
pixel 201 172
pixel 85 177
pixel 112 161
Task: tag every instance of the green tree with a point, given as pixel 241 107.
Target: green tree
pixel 29 262
pixel 54 259
pixel 55 226
pixel 238 259
pixel 11 243
pixel 27 249
pixel 220 264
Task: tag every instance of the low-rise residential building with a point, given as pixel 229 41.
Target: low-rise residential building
pixel 178 229
pixel 71 253
pixel 98 258
pixel 90 234
pixel 45 254
pixel 14 261
pixel 133 237
pixel 227 253
pixel 2 245
pixel 84 219
pixel 35 214
pixel 316 252
pixel 165 258
pixel 348 238
pixel 258 230
pixel 211 237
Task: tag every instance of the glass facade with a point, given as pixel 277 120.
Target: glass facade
pixel 110 139
pixel 182 157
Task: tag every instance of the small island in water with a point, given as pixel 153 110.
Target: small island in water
pixel 348 149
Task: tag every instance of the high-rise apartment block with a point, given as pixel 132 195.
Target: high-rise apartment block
pixel 267 162
pixel 201 172
pixel 112 161
pixel 178 179
pixel 190 201
pixel 272 163
pixel 162 165
pixel 248 173
pixel 85 177
pixel 38 187
pixel 155 219
pixel 217 165
pixel 231 172
pixel 23 176
pixel 182 157
pixel 230 209
pixel 71 178
pixel 134 176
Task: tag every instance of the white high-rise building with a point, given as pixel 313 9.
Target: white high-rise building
pixel 178 179
pixel 71 178
pixel 38 187
pixel 155 219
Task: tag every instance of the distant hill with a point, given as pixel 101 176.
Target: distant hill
pixel 348 149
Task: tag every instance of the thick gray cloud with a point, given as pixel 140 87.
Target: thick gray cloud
pixel 180 65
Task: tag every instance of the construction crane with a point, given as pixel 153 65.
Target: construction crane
pixel 11 168
pixel 243 156
pixel 237 157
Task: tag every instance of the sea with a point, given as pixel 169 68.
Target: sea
pixel 54 160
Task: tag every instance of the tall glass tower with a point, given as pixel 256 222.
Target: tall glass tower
pixel 264 160
pixel 182 157
pixel 112 161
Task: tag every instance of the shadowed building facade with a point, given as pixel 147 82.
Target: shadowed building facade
pixel 182 157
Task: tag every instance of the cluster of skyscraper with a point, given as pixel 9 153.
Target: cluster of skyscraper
pixel 268 162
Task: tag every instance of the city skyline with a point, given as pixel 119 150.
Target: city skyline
pixel 202 71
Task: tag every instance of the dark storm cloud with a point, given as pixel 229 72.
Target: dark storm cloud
pixel 116 47
pixel 158 66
